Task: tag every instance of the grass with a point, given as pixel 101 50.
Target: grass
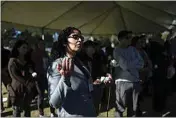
pixel 146 107
pixel 35 113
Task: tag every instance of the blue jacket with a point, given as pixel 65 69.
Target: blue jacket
pixel 130 62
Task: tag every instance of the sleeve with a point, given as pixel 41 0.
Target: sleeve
pixel 59 86
pixel 14 73
pixel 150 65
pixel 128 63
pixel 116 55
pixel 138 60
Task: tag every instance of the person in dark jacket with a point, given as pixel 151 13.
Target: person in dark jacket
pixel 87 57
pixel 145 72
pixel 23 81
pixel 94 64
pixel 159 79
pixel 39 57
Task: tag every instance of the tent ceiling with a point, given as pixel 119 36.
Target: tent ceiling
pixel 92 17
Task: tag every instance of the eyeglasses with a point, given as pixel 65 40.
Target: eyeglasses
pixel 76 37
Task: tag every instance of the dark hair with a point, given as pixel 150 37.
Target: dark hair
pixel 38 41
pixel 18 44
pixel 142 36
pixel 134 41
pixel 58 48
pixel 123 34
pixel 89 44
pixel 167 46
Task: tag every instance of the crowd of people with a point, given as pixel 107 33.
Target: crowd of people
pixel 79 75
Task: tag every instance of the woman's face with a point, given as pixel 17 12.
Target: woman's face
pixel 23 49
pixel 75 41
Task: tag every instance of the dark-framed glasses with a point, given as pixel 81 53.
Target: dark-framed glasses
pixel 76 37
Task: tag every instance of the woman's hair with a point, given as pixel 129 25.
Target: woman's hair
pixel 59 47
pixel 18 44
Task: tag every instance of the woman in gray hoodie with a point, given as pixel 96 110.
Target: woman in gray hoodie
pixel 70 83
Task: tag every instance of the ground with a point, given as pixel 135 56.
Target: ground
pixel 146 107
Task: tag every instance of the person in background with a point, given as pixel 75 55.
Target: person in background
pixel 146 72
pixel 40 59
pixel 171 69
pixel 100 69
pixel 173 52
pixel 159 79
pixel 170 76
pixel 69 80
pixel 23 81
pixel 127 75
pixel 87 57
pixel 5 78
pixel 11 44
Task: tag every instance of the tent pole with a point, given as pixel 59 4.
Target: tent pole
pixel 95 18
pixel 171 15
pixel 50 22
pixel 108 13
pixel 144 17
pixel 122 17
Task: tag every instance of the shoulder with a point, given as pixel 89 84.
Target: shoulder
pixel 12 60
pixel 53 74
pixel 132 48
pixel 54 65
pixel 116 49
pixel 12 63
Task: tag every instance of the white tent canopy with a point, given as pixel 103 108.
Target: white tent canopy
pixel 91 17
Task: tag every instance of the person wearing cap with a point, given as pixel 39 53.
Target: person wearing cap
pixel 127 75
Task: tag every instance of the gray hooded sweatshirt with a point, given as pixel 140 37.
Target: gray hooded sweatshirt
pixel 130 62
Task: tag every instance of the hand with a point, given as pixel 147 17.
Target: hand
pixel 109 80
pixel 34 74
pixel 97 81
pixel 66 67
pixel 141 82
